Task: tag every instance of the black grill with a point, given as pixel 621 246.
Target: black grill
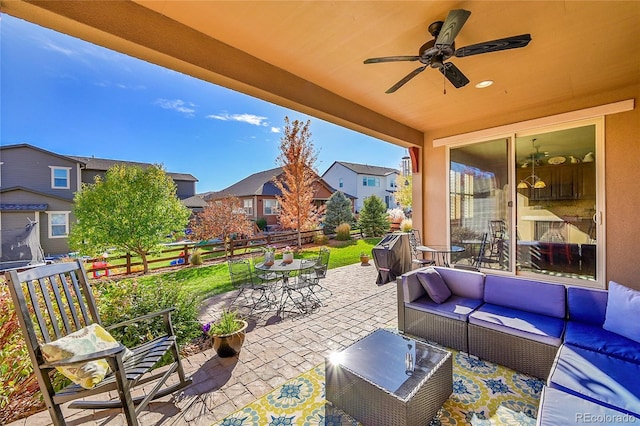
pixel 392 257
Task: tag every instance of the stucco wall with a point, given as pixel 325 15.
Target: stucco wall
pixel 622 171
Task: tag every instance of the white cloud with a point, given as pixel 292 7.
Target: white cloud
pixel 177 105
pixel 256 120
pixel 275 130
pixel 49 45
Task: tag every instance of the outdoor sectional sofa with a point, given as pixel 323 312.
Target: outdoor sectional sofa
pixel 548 330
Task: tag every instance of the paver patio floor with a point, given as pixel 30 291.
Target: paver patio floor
pixel 275 351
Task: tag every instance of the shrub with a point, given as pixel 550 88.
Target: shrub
pixel 19 390
pixel 320 239
pixel 261 223
pixel 406 225
pixel 343 232
pixel 127 299
pixel 196 258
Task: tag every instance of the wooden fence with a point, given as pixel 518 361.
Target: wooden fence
pixel 178 254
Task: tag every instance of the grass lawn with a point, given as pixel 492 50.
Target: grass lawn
pixel 208 280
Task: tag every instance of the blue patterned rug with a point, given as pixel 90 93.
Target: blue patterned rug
pixel 484 394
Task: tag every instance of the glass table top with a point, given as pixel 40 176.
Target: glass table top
pixel 390 361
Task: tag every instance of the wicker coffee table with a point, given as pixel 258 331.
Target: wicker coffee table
pixel 389 379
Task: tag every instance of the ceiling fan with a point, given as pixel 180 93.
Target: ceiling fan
pixel 435 52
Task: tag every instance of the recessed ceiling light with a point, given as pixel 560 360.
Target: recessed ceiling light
pixel 483 84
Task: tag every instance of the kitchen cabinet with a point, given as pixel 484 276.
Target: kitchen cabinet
pixel 564 181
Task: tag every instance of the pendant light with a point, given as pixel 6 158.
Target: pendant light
pixel 532 181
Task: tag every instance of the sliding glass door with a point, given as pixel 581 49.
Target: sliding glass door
pixel 478 200
pixel 528 203
pixel 556 202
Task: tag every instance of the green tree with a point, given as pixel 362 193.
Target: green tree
pixel 339 210
pixel 374 221
pixel 296 183
pixel 404 194
pixel 132 209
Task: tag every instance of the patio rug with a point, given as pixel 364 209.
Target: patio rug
pixel 484 394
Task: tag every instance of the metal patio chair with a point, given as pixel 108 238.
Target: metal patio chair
pixel 53 301
pixel 253 293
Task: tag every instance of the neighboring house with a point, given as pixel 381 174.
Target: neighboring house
pixel 39 185
pixel 92 167
pixel 257 193
pixel 363 181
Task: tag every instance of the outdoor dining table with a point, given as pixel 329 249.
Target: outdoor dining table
pixel 284 270
pixel 281 268
pixel 440 253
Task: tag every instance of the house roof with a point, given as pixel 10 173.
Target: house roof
pixel 104 164
pixel 34 192
pixel 366 169
pixel 260 183
pixel 195 201
pixel 23 207
pixel 256 184
pixel 35 148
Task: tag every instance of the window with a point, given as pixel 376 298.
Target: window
pixel 341 183
pixel 58 224
pixel 60 177
pixel 248 207
pixel 271 207
pixel 370 181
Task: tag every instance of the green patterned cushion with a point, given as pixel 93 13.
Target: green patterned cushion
pixel 87 340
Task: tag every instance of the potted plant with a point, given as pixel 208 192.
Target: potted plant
pixel 287 255
pixel 227 333
pixel 364 258
pixel 396 216
pixel 269 255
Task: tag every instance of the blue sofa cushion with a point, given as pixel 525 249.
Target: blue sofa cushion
pixel 539 328
pixel 469 284
pixel 434 285
pixel 597 339
pixel 456 307
pixel 597 377
pixel 586 305
pixel 526 295
pixel 558 408
pixel 623 311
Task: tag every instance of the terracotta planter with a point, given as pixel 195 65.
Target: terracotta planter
pixel 287 257
pixel 364 260
pixel 228 345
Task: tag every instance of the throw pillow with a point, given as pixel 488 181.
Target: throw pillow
pixel 434 285
pixel 87 340
pixel 623 311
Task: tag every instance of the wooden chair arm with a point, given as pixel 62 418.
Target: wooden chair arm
pixel 165 312
pixel 113 352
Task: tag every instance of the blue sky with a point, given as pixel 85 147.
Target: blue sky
pixel 75 98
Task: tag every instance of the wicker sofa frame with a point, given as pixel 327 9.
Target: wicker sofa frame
pixel 436 328
pixel 521 354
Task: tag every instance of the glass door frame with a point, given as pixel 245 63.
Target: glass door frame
pixel 599 217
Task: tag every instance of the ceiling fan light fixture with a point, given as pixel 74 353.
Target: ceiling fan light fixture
pixel 522 185
pixel 539 184
pixel 484 83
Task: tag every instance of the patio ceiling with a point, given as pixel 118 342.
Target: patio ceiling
pixel 309 55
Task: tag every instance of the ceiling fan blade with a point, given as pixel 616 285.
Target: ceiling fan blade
pixel 454 75
pixel 406 79
pixel 391 59
pixel 514 42
pixel 451 27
